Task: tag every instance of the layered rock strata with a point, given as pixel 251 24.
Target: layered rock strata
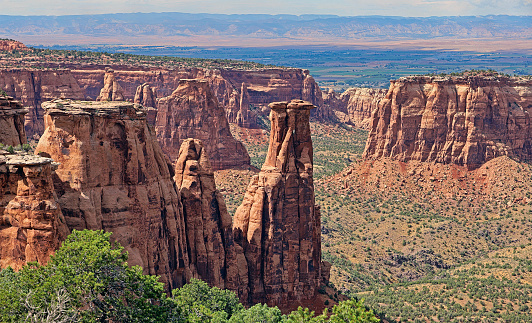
pixel 32 226
pixel 79 82
pixel 192 111
pixel 360 103
pixel 278 223
pixel 111 91
pixel 114 176
pixel 461 120
pixel 12 113
pixel 33 86
pixel 213 255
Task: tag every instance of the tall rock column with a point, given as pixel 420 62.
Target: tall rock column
pixel 243 117
pixel 278 223
pixel 111 91
pixel 147 97
pixel 213 255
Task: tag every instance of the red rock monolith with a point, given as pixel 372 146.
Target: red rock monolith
pixel 278 223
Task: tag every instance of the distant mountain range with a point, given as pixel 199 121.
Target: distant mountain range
pixel 220 30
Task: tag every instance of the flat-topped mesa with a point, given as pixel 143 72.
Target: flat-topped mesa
pixel 465 120
pixel 12 114
pixel 278 223
pixel 213 255
pixel 192 111
pixel 114 176
pixel 111 91
pixel 32 226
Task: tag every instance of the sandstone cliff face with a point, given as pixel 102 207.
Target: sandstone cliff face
pixel 360 103
pixel 192 111
pixel 12 122
pixel 213 255
pixel 460 120
pixel 31 223
pixel 278 223
pixel 32 87
pixel 114 176
pixel 111 91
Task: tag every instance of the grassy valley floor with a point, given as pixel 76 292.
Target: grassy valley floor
pixel 418 241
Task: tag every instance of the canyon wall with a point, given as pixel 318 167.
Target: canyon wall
pixel 278 223
pixel 464 120
pixel 115 83
pixel 192 111
pixel 12 113
pixel 354 106
pixel 31 223
pixel 33 86
pixel 114 176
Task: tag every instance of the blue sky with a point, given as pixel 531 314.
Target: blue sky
pixel 338 7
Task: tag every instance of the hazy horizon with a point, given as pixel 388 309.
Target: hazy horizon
pixel 404 8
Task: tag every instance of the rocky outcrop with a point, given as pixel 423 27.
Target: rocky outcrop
pixel 33 86
pixel 278 223
pixel 311 92
pixel 461 120
pixel 114 176
pixel 111 91
pixel 31 223
pixel 213 255
pixel 12 45
pixel 147 97
pixel 360 103
pixel 12 122
pixel 192 111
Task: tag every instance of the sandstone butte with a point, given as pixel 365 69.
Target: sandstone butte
pixel 114 176
pixel 192 111
pixel 213 255
pixel 31 223
pixel 12 113
pixel 278 223
pixel 465 120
